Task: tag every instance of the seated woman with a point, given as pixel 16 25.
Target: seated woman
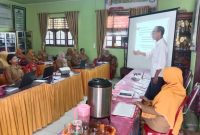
pixel 20 54
pixel 22 58
pixel 30 56
pixel 76 60
pixel 13 72
pixel 69 56
pixel 83 56
pixel 112 60
pixel 3 60
pixel 42 55
pixel 159 114
pixel 73 57
pixel 61 61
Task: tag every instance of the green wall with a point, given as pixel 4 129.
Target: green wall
pixel 87 23
pixel 183 4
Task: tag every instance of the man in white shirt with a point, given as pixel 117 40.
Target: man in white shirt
pixel 159 61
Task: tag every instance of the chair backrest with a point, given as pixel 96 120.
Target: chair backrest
pixel 191 97
pixel 3 79
pixel 188 79
pixel 179 109
pixel 149 131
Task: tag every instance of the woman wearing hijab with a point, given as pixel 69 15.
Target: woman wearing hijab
pixel 3 61
pixel 83 55
pixel 76 60
pixel 61 61
pixel 30 56
pixel 159 114
pixel 69 56
pixel 107 57
pixel 42 56
pixel 22 58
pixel 20 54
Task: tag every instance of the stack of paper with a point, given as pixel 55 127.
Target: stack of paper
pixel 11 89
pixel 57 77
pixel 48 63
pixel 55 81
pixel 40 81
pixel 124 110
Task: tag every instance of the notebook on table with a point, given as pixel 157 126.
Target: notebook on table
pixel 124 110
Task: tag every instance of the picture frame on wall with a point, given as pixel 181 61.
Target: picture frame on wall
pixel 125 4
pixel 6 16
pixel 19 18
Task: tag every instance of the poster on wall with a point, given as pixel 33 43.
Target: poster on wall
pixel 125 4
pixel 19 18
pixel 5 16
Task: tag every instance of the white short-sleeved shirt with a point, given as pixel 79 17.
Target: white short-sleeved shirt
pixel 158 57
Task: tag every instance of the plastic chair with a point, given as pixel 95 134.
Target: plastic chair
pixel 188 79
pixel 149 131
pixel 3 79
pixel 191 97
pixel 187 102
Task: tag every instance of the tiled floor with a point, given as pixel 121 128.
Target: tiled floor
pixel 58 125
pixel 190 133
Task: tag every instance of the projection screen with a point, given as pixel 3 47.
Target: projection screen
pixel 140 36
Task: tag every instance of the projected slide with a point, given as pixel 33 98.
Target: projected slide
pixel 144 41
pixel 140 36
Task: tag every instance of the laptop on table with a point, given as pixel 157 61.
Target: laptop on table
pixel 48 72
pixel 81 65
pixel 47 75
pixel 27 80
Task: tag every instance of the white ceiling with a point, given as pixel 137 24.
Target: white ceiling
pixel 35 1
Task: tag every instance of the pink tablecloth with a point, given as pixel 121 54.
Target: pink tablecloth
pixel 127 126
pixel 124 125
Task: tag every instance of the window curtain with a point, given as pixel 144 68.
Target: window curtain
pixel 101 25
pixel 140 10
pixel 72 21
pixel 43 23
pixel 197 64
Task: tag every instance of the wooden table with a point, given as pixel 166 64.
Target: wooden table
pixel 101 71
pixel 29 110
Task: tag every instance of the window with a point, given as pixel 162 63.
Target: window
pixel 60 37
pixel 49 38
pixel 70 39
pixel 117 29
pixel 58 33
